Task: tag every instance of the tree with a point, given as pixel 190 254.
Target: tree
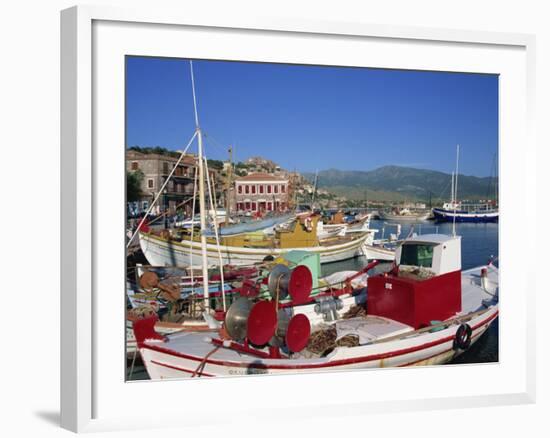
pixel 133 185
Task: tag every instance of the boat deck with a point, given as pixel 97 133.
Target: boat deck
pixel 474 297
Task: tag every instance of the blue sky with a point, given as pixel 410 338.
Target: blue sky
pixel 314 118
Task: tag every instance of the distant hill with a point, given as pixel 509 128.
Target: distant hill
pixel 395 183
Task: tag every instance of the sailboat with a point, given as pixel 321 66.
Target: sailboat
pixel 458 211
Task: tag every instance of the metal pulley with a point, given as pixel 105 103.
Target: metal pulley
pixel 283 318
pixel 328 307
pixel 236 319
pixel 278 278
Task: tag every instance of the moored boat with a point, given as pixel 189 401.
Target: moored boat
pixel 424 311
pixel 457 211
pixel 163 249
pixel 404 215
pixel 466 212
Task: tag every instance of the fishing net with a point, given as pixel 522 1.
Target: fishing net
pixel 355 312
pixel 323 341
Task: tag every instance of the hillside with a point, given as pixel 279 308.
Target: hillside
pixel 394 183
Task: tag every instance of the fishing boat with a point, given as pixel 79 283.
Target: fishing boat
pixel 425 311
pixel 219 216
pixel 404 215
pixel 243 249
pixel 466 212
pixel 458 211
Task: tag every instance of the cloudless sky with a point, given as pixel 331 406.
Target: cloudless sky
pixel 314 118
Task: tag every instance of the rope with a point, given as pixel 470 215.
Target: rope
pixel 133 363
pixel 193 228
pixel 161 190
pixel 212 206
pixel 165 213
pixel 201 366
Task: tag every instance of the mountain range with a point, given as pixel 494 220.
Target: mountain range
pixel 395 183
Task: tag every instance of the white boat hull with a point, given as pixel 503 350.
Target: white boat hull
pixel 373 252
pixel 160 252
pixel 404 217
pixel 429 349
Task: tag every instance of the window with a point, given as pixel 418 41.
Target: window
pixel 150 183
pixel 135 165
pixel 268 189
pixel 240 189
pixel 247 205
pixel 417 255
pixel 276 188
pixel 283 188
pixel 253 189
pixel 253 206
pixel 165 167
pixel 246 189
pixel 261 188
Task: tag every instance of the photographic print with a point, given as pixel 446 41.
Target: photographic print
pixel 287 218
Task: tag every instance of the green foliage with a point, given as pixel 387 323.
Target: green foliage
pixel 133 185
pixel 155 150
pixel 215 164
pixel 397 183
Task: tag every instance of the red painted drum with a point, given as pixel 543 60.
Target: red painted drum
pixel 262 322
pixel 297 333
pixel 300 284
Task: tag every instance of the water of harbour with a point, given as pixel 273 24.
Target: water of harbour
pixel 479 244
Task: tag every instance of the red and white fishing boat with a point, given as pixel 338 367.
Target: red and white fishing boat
pixel 424 311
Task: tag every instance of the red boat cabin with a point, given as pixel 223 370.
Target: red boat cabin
pixel 424 286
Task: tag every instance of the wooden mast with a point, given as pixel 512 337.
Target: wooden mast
pixel 202 207
pixel 228 186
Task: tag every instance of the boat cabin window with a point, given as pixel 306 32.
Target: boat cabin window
pixel 417 255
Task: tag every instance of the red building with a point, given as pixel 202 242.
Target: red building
pixel 261 192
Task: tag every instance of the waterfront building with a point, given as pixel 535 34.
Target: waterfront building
pixel 155 168
pixel 261 192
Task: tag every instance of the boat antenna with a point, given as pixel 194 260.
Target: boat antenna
pixel 456 190
pixel 202 207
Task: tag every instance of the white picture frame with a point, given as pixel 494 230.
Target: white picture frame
pixel 85 369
